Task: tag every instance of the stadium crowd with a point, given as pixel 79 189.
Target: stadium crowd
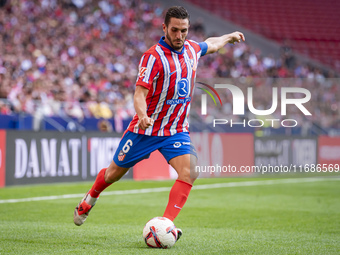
pixel 79 58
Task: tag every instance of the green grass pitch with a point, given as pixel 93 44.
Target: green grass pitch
pixel 280 218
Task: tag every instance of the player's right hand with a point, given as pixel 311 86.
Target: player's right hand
pixel 145 122
pixel 236 37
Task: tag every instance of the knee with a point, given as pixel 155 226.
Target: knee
pixel 113 173
pixel 110 176
pixel 187 175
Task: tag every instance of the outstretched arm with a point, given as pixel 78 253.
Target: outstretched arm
pixel 216 43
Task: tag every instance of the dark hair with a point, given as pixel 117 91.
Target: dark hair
pixel 177 12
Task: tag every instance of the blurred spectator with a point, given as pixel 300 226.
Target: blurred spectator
pixel 4 109
pixel 100 109
pixel 104 126
pixel 80 58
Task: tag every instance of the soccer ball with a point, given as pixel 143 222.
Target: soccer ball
pixel 160 232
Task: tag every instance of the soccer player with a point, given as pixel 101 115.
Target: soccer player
pixel 162 98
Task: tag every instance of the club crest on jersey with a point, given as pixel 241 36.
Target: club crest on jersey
pixel 142 71
pixel 183 89
pixel 121 156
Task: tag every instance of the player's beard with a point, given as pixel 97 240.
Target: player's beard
pixel 178 48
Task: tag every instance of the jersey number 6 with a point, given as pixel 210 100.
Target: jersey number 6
pixel 127 145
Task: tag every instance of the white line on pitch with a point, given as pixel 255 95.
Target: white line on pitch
pixel 162 189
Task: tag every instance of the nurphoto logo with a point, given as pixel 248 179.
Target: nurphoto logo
pixel 238 105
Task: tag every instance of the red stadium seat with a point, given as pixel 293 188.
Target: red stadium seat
pixel 311 26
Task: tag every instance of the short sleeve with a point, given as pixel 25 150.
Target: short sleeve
pixel 204 48
pixel 148 70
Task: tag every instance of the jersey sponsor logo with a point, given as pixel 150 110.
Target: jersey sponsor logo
pixel 178 101
pixel 183 87
pixel 121 156
pixel 177 144
pixel 142 71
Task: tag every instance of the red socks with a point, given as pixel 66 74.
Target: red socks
pixel 178 196
pixel 100 184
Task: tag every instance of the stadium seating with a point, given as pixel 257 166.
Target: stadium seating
pixel 312 27
pixel 54 85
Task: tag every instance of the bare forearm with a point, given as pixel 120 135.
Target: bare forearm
pixel 216 43
pixel 139 101
pixel 140 105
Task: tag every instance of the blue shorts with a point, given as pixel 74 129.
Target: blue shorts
pixel 135 147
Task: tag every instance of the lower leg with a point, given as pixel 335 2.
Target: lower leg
pixel 99 185
pixel 104 179
pixel 178 196
pixel 182 187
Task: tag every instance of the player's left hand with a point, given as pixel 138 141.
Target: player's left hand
pixel 236 37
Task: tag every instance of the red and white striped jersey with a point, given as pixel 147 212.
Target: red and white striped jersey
pixel 170 76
